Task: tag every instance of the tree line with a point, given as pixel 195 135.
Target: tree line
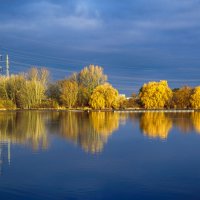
pixel 87 89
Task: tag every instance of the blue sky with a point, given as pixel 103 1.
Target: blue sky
pixel 136 41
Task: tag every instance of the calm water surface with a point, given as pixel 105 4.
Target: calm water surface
pixel 64 155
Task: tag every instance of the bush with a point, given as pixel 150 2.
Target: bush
pixel 47 104
pixel 7 104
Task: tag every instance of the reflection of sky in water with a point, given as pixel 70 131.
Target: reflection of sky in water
pixel 59 155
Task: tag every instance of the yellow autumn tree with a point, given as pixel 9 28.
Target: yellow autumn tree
pixel 103 96
pixel 155 94
pixel 69 92
pixel 92 76
pixel 195 98
pixel 88 79
pixel 181 97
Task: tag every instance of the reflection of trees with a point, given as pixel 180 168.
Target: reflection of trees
pixel 158 124
pixel 196 121
pixel 155 124
pixel 90 131
pixel 104 123
pixel 24 128
pixel 183 122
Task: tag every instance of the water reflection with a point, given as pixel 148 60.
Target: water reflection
pixel 183 121
pixel 24 128
pixel 90 131
pixel 155 124
pixel 196 121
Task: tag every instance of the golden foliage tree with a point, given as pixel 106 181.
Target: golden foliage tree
pixel 88 79
pixel 32 94
pixel 104 96
pixel 195 98
pixel 69 92
pixel 33 91
pixel 92 76
pixel 3 88
pixel 15 84
pixel 83 96
pixel 181 97
pixel 155 94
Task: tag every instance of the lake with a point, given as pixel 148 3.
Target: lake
pixel 99 155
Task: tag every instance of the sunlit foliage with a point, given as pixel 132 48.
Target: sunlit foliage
pixel 104 96
pixel 83 96
pixel 88 79
pixel 195 98
pixel 132 102
pixel 181 97
pixel 69 92
pixel 155 94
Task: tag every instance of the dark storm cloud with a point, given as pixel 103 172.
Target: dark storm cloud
pixel 152 34
pixel 107 24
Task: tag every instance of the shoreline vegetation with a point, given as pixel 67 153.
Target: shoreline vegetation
pixel 139 110
pixel 89 90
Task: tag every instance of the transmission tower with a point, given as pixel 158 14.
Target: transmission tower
pixel 1 68
pixel 7 63
pixel 7 66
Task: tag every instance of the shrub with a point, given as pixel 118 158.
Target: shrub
pixel 7 104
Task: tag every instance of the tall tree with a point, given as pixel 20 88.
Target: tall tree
pixel 195 98
pixel 69 92
pixel 88 79
pixel 33 91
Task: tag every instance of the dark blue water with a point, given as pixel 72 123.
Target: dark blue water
pixel 60 155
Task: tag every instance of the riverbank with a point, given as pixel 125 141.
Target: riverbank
pixel 106 110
